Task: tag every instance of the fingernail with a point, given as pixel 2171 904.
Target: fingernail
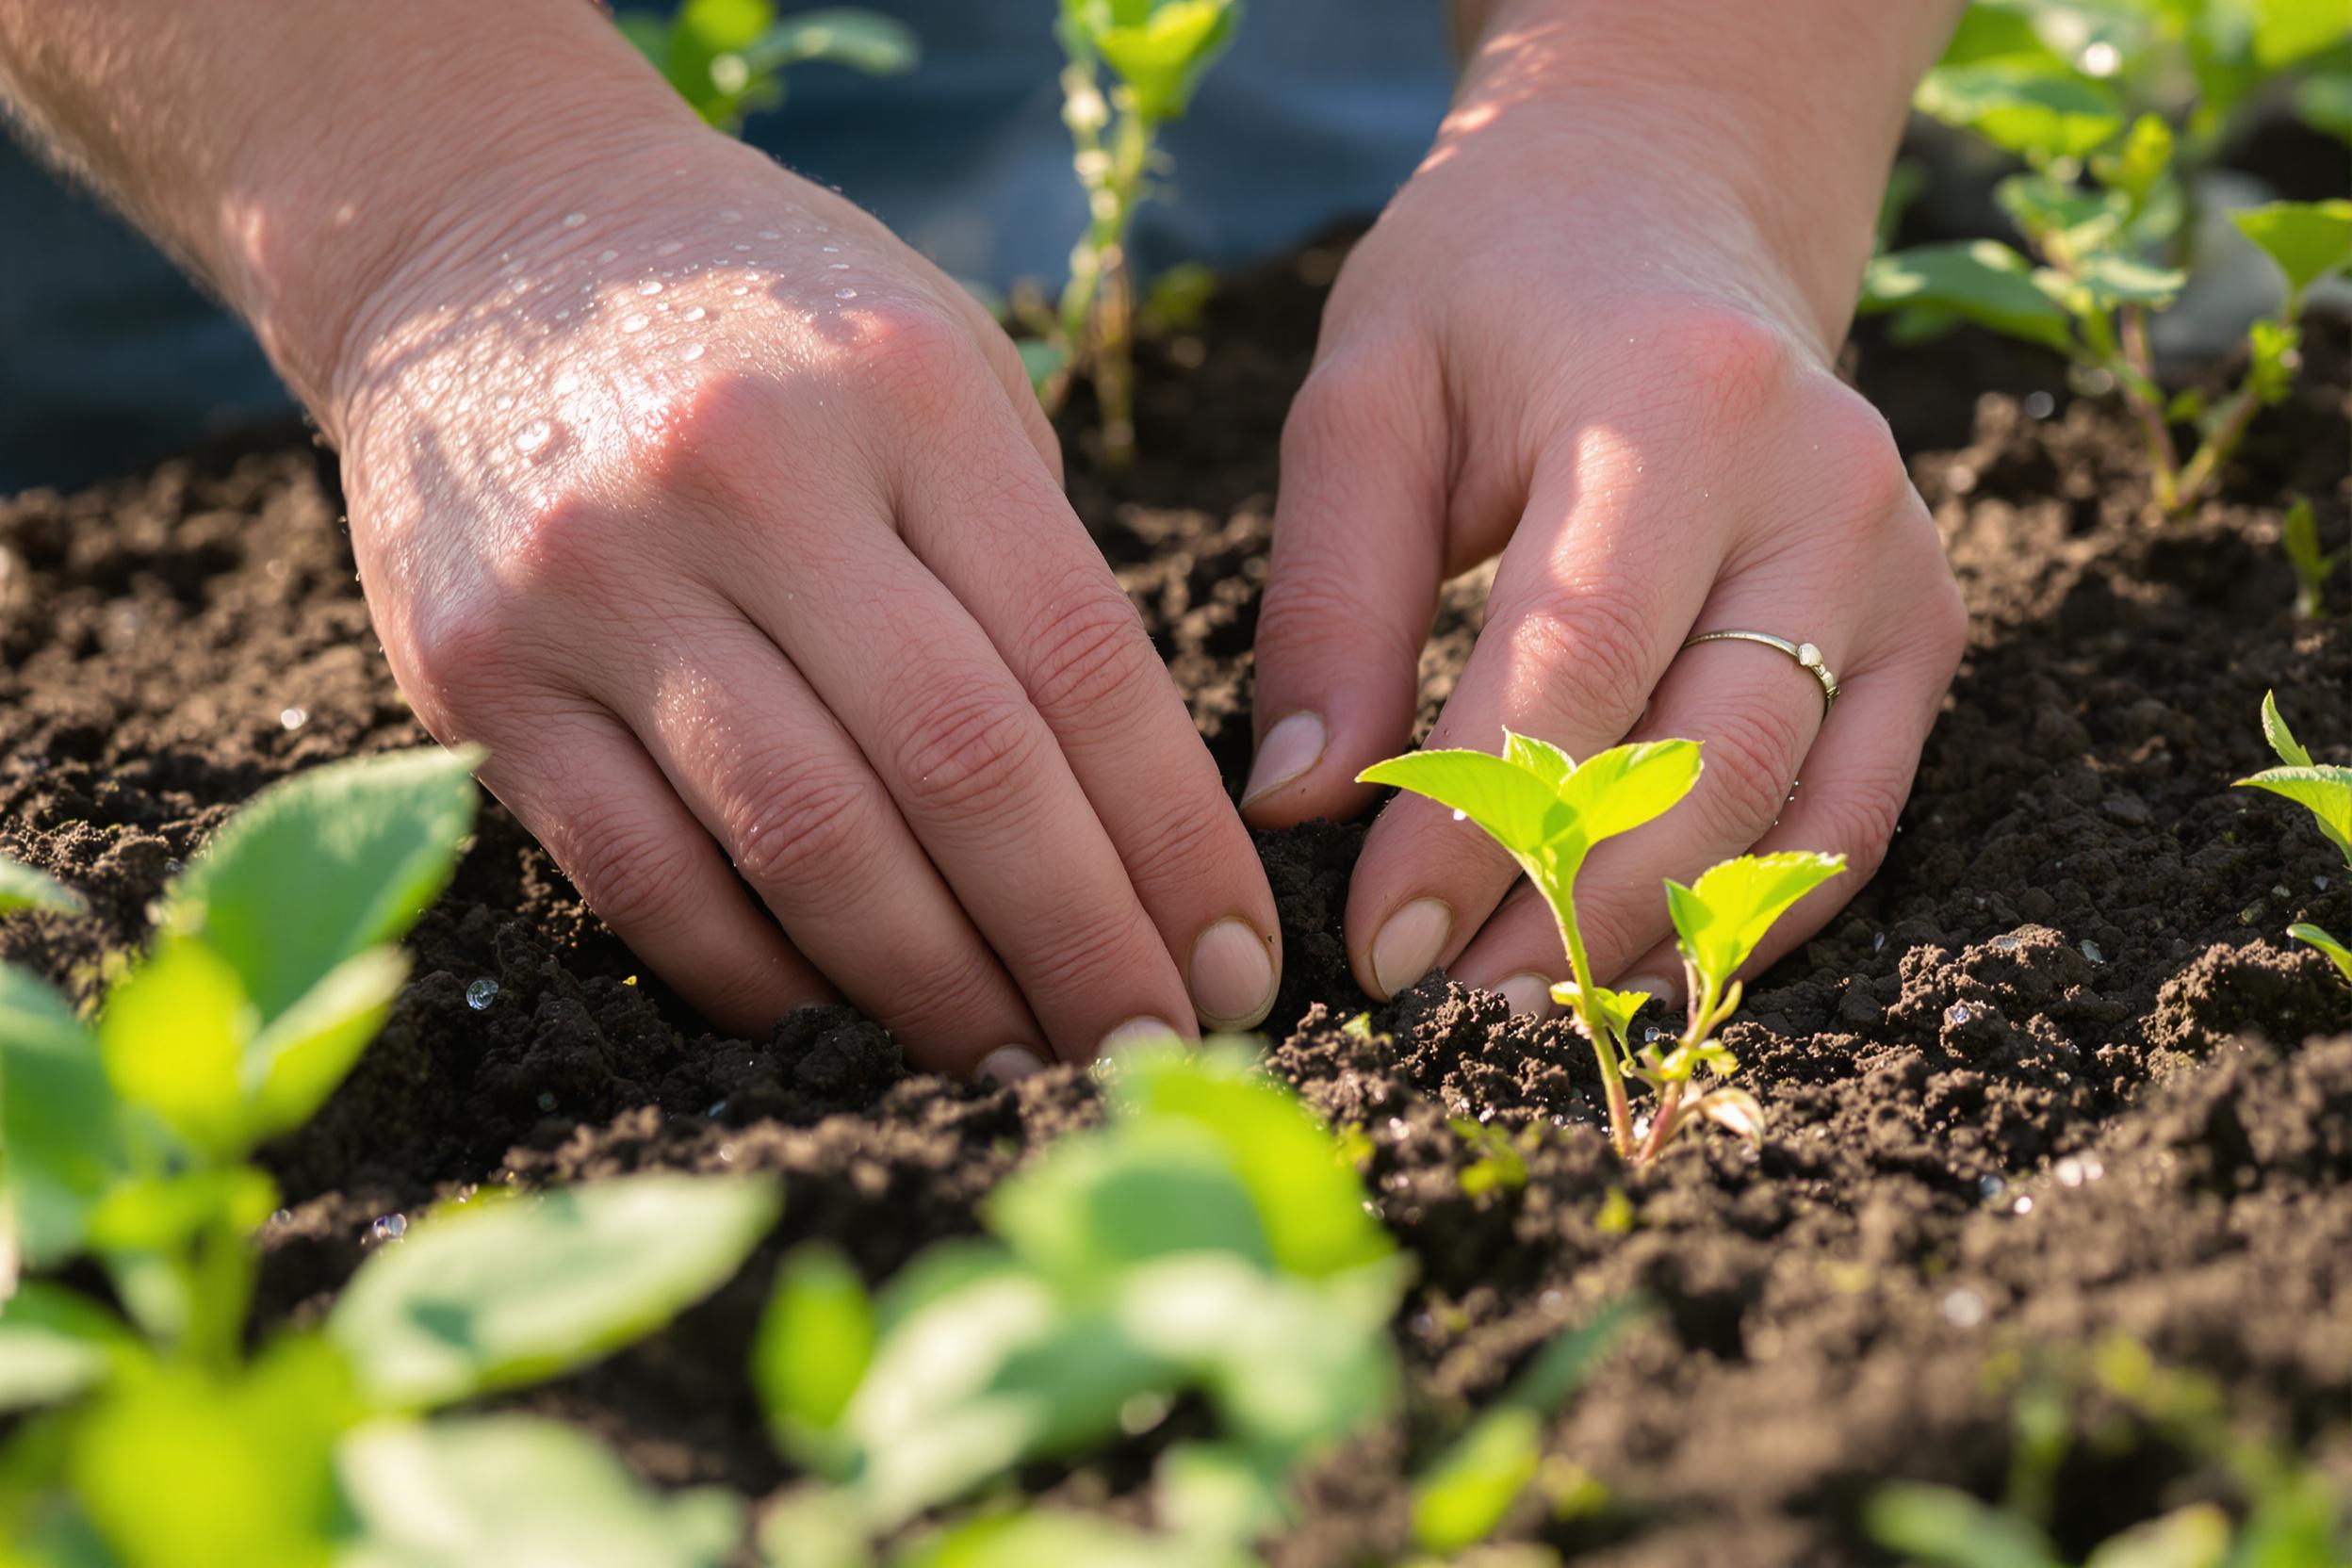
pixel 1135 1032
pixel 1661 990
pixel 1009 1064
pixel 1529 995
pixel 1408 946
pixel 1233 975
pixel 1290 748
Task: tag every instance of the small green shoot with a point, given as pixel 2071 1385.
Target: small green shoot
pixel 728 57
pixel 2298 536
pixel 1548 812
pixel 2322 789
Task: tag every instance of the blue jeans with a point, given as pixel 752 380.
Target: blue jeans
pixel 109 357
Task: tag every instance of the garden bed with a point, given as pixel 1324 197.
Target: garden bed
pixel 2054 1076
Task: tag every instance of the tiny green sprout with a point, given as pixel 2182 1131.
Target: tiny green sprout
pixel 2322 789
pixel 727 57
pixel 1548 812
pixel 23 887
pixel 2298 536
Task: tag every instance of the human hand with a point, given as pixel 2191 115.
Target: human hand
pixel 1595 334
pixel 732 528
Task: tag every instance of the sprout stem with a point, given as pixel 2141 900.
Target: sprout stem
pixel 1604 1043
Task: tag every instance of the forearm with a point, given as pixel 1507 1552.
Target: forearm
pixel 1794 108
pixel 295 158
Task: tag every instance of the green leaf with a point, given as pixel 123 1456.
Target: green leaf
pixel 2281 739
pixel 716 26
pixel 2142 159
pixel 1944 1529
pixel 2060 217
pixel 23 887
pixel 862 39
pixel 2113 279
pixel 2307 239
pixel 1104 1200
pixel 1621 789
pixel 1518 808
pixel 474 1300
pixel 1562 1364
pixel 1462 1497
pixel 2324 100
pixel 1617 1007
pixel 325 865
pixel 291 1068
pixel 1163 58
pixel 1980 280
pixel 650 33
pixel 2337 955
pixel 2286 31
pixel 59 1121
pixel 164 1213
pixel 496 1491
pixel 816 1339
pixel 1720 920
pixel 56 1344
pixel 2323 791
pixel 1540 757
pixel 2023 107
pixel 1308 1200
pixel 1045 1538
pixel 2196 1535
pixel 172 1037
pixel 1220 1492
pixel 2299 538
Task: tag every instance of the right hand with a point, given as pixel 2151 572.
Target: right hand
pixel 731 528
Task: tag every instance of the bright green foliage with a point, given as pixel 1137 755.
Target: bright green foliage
pixel 1155 52
pixel 492 1491
pixel 2112 108
pixel 2299 537
pixel 2337 955
pixel 1548 812
pixel 816 1341
pixel 2322 789
pixel 515 1292
pixel 1052 1539
pixel 53 1343
pixel 23 887
pixel 727 57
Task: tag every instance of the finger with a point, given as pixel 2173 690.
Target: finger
pixel 999 535
pixel 976 773
pixel 1589 605
pixel 587 791
pixel 1357 553
pixel 772 777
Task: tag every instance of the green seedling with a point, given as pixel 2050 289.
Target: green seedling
pixel 1155 53
pixel 2085 100
pixel 23 887
pixel 728 57
pixel 2298 536
pixel 2322 789
pixel 147 1432
pixel 1548 814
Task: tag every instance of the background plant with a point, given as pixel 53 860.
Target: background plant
pixel 1548 812
pixel 149 1432
pixel 2105 104
pixel 728 57
pixel 2322 789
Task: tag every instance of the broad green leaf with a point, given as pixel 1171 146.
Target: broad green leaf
pixel 2307 239
pixel 165 1211
pixel 1163 58
pixel 816 1339
pixel 1618 789
pixel 1221 1492
pixel 2281 739
pixel 291 1068
pixel 59 1121
pixel 2140 160
pixel 2324 100
pixel 1516 807
pixel 174 1038
pixel 504 1491
pixel 1045 1538
pixel 1540 757
pixel 1617 1007
pixel 324 865
pixel 862 39
pixel 2113 279
pixel 1308 1200
pixel 2196 1535
pixel 1980 280
pixel 1104 1200
pixel 1720 919
pixel 2059 216
pixel 55 1344
pixel 716 26
pixel 1940 1528
pixel 183 1468
pixel 2286 31
pixel 2323 791
pixel 1461 1499
pixel 2023 109
pixel 23 887
pixel 475 1300
pixel 2337 955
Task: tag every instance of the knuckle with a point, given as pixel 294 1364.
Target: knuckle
pixel 1859 818
pixel 1366 400
pixel 706 444
pixel 461 652
pixel 1311 606
pixel 1090 657
pixel 1728 364
pixel 965 753
pixel 1092 946
pixel 914 358
pixel 1861 468
pixel 1183 843
pixel 1601 641
pixel 637 877
pixel 804 827
pixel 1752 755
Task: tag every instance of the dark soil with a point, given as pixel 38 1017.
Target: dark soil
pixel 2056 1073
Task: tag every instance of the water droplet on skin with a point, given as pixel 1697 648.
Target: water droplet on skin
pixel 648 288
pixel 770 233
pixel 691 351
pixel 574 219
pixel 566 383
pixel 694 313
pixel 836 266
pixel 503 404
pixel 845 293
pixel 739 291
pixel 635 324
pixel 481 993
pixel 532 436
pixel 728 215
pixel 607 257
pixel 562 315
pixel 743 247
pixel 293 718
pixel 668 248
pixel 831 250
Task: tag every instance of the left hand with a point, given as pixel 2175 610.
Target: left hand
pixel 1595 334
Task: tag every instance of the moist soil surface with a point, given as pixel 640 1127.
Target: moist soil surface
pixel 2055 1075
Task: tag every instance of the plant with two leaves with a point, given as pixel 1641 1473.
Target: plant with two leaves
pixel 1548 812
pixel 2102 209
pixel 1156 52
pixel 728 57
pixel 146 1433
pixel 2313 564
pixel 1210 1241
pixel 2322 789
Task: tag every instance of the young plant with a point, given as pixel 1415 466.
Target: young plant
pixel 2100 196
pixel 728 57
pixel 2298 536
pixel 1548 814
pixel 1156 52
pixel 2322 789
pixel 148 1434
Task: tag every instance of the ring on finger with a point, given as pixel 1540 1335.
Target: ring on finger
pixel 1805 654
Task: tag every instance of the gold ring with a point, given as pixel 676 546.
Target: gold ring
pixel 1805 654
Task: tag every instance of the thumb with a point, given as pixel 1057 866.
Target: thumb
pixel 1358 543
